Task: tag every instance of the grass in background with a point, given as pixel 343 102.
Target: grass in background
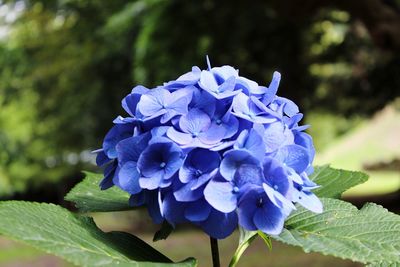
pixel 373 141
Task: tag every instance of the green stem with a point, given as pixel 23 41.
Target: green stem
pixel 214 252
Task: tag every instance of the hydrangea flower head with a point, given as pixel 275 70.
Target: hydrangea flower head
pixel 214 149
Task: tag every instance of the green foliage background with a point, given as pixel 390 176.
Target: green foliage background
pixel 66 64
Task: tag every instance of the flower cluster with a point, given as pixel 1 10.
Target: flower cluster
pixel 214 149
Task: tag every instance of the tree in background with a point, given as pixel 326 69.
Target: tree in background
pixel 65 65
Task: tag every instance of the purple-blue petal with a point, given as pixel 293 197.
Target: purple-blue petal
pixel 128 178
pixel 219 225
pixel 221 196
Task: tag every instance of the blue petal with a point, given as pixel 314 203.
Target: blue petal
pixel 203 179
pixel 305 140
pixel 293 121
pixel 252 142
pixel 194 122
pixel 130 148
pixel 208 82
pixel 270 94
pixel 246 210
pixel 102 158
pixel 220 225
pixel 276 135
pixel 227 86
pixel 221 196
pixel 139 89
pixel 193 75
pixel 186 193
pixel 153 206
pixel 178 106
pixel 152 182
pixel 175 161
pixel 240 104
pixel 173 210
pixel 289 107
pixel 295 157
pixel 129 103
pixel 179 137
pixel 159 131
pixel 248 175
pixel 232 161
pixel 204 101
pixel 138 200
pixel 309 201
pixel 203 160
pixel 154 102
pixel 222 146
pixel 269 219
pixel 109 173
pixel 213 135
pixel 244 108
pixel 128 178
pixel 276 176
pixel 225 94
pixel 197 211
pixel 223 73
pixel 249 86
pixel 278 199
pixel 230 124
pixel 117 133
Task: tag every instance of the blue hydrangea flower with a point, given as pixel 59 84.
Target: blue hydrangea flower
pixel 158 163
pixel 195 173
pixel 196 131
pixel 214 149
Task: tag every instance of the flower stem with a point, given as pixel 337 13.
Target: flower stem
pixel 214 252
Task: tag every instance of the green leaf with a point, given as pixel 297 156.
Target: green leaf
pixel 88 197
pixel 266 238
pixel 384 264
pixel 368 235
pixel 334 182
pixel 245 239
pixel 76 238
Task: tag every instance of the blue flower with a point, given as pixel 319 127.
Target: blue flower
pixel 257 212
pixel 219 82
pixel 199 167
pixel 158 163
pixel 196 131
pixel 251 141
pixel 219 224
pixel 223 195
pixel 160 102
pixel 246 108
pixel 214 149
pixel 267 94
pixel 129 151
pixel 233 159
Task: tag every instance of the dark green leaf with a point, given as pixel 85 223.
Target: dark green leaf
pixel 368 235
pixel 88 197
pixel 164 232
pixel 76 238
pixel 334 182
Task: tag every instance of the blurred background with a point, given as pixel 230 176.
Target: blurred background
pixel 65 65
